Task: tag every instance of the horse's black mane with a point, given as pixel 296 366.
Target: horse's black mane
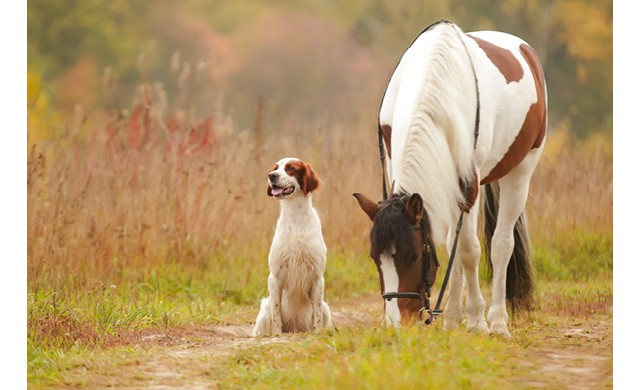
pixel 391 227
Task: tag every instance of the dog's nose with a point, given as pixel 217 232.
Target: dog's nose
pixel 273 176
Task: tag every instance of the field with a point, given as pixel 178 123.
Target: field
pixel 147 245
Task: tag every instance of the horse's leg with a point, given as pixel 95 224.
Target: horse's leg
pixel 466 264
pixel 469 252
pixel 452 314
pixel 466 267
pixel 514 190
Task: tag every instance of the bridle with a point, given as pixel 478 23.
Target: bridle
pixel 426 267
pixel 433 313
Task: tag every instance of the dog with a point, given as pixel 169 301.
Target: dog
pixel 297 257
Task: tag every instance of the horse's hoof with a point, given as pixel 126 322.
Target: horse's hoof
pixel 479 327
pixel 500 330
pixel 450 325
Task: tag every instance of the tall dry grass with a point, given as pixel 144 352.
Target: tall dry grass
pixel 572 188
pixel 148 189
pixel 142 190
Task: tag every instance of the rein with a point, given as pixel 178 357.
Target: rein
pixel 433 313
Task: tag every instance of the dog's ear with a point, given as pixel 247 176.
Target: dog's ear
pixel 370 207
pixel 310 181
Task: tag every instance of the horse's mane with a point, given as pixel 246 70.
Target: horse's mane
pixel 438 151
pixel 391 227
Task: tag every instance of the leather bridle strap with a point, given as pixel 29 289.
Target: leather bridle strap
pixel 437 311
pixel 391 295
pixel 382 158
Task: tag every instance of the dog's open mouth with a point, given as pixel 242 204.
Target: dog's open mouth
pixel 280 192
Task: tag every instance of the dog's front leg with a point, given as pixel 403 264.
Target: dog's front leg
pixel 275 300
pixel 317 297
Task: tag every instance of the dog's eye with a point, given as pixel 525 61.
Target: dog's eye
pixel 289 169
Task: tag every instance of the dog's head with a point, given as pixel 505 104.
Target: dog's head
pixel 291 176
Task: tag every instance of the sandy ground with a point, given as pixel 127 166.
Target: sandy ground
pixel 578 357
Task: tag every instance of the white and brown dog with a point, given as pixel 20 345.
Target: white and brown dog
pixel 297 257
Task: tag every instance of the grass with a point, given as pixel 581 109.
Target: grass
pixel 355 357
pixel 132 234
pixel 352 357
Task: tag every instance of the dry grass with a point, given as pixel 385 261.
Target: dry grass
pixel 137 192
pixel 572 189
pixel 126 198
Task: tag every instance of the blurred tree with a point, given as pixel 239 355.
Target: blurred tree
pixel 581 64
pixel 303 67
pixel 41 121
pixel 59 32
pixel 302 57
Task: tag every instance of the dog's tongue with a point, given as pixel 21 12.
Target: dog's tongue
pixel 276 191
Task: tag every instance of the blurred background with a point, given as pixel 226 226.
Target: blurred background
pixel 310 61
pixel 152 126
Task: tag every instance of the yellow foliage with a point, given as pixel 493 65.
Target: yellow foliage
pixel 557 142
pixel 587 30
pixel 41 121
pixel 598 144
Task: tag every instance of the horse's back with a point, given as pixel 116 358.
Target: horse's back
pixel 513 101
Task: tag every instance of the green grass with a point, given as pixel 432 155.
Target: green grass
pixel 384 358
pixel 582 255
pixel 69 319
pixel 90 337
pixel 87 336
pixel 183 295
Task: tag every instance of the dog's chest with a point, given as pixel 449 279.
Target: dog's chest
pixel 298 249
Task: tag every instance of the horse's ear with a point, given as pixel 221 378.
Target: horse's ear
pixel 370 207
pixel 413 209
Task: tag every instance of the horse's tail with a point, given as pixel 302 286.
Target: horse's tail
pixel 519 271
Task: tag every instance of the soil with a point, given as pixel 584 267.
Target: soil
pixel 577 357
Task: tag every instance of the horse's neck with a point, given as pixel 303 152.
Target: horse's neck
pixel 433 149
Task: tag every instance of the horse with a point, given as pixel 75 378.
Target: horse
pixel 462 123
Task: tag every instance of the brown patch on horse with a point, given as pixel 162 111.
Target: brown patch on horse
pixel 537 115
pixel 386 135
pixel 503 59
pixel 304 174
pixel 472 189
pixel 533 129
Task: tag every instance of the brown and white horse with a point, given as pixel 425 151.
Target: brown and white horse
pixel 461 113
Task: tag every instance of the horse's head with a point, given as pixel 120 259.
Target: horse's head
pixel 404 253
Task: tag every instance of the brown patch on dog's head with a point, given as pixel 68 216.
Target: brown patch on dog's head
pixel 304 174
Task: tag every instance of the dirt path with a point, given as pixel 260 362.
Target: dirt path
pixel 577 357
